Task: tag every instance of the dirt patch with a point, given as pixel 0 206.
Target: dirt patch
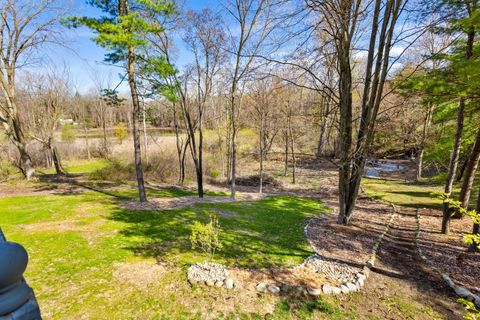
pixel 448 252
pixel 90 231
pixel 226 214
pixel 139 274
pixel 299 277
pixel 254 181
pixel 351 244
pixel 172 203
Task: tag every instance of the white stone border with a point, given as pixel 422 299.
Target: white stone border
pixel 371 262
pixel 360 277
pixel 460 291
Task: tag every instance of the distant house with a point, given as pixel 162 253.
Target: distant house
pixel 68 121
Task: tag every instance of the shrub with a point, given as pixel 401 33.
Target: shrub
pixel 114 171
pixel 160 167
pixel 121 132
pixel 206 236
pixel 7 170
pixel 214 173
pixel 68 134
pixel 457 205
pixel 473 313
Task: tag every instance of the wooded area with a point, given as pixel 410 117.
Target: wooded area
pixel 273 94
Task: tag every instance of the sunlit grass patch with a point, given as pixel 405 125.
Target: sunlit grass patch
pixel 86 251
pixel 423 194
pixel 404 193
pixel 79 166
pixel 262 233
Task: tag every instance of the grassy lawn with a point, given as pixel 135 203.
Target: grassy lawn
pixel 409 194
pixel 424 194
pixel 89 257
pixel 79 166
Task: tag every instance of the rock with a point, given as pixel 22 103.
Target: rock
pixel 366 271
pixel 461 291
pixel 351 287
pixel 335 270
pixel 219 284
pixel 336 290
pixel 360 275
pixel 448 280
pixel 209 273
pixel 261 287
pixel 273 288
pixel 314 291
pixel 359 283
pixel 344 289
pixel 327 289
pixel 477 302
pixel 229 283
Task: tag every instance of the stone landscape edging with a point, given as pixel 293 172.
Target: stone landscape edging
pixel 459 290
pixel 361 276
pixel 344 288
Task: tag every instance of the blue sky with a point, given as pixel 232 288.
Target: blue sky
pixel 85 59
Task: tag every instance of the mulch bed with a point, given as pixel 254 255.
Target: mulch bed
pixel 351 244
pixel 181 202
pixel 448 252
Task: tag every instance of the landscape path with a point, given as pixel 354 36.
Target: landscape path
pixel 399 270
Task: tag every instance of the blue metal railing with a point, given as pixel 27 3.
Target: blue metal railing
pixel 17 300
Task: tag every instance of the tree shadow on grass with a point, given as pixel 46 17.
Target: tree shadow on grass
pixel 264 233
pixel 418 204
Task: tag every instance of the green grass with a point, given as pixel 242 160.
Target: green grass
pixel 79 166
pixel 424 194
pixel 77 242
pixel 264 233
pixel 407 194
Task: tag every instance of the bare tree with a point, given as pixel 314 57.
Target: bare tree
pixel 265 116
pixel 24 27
pixel 253 24
pixel 49 96
pixel 204 38
pixel 342 21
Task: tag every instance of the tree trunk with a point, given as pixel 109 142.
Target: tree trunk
pixel 345 134
pixel 104 127
pixel 26 165
pixel 179 144
pixel 261 152
pixel 292 149
pixel 135 121
pixel 228 148
pixel 55 159
pixel 200 158
pixel 233 187
pixel 323 127
pixel 462 169
pixel 447 212
pixel 471 169
pixel 421 151
pixel 233 122
pixel 145 135
pixel 285 173
pixel 321 142
pixel 18 139
pixel 476 227
pixel 184 154
pixel 452 167
pixel 87 142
